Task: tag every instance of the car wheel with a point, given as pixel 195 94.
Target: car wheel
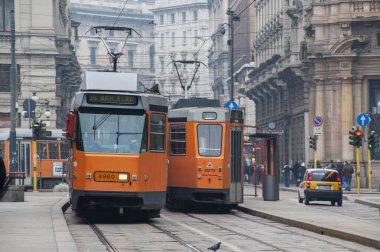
pixel 306 199
pixel 333 203
pixel 340 203
pixel 300 200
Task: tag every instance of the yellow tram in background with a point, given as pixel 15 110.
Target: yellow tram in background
pixel 118 146
pixel 206 156
pixel 51 157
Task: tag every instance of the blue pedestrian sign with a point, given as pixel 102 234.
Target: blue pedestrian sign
pixel 363 120
pixel 231 105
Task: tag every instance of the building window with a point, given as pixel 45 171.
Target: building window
pixel 378 39
pixel 111 33
pixel 195 15
pixel 93 55
pixel 173 38
pixel 5 13
pixel 161 19
pixel 184 37
pixel 130 58
pixel 151 57
pixel 5 81
pixel 162 63
pixel 162 42
pixel 178 139
pixel 92 31
pixel 195 37
pixel 172 18
pixel 183 17
pixel 374 96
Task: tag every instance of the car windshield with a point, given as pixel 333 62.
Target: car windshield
pixel 328 176
pixel 112 132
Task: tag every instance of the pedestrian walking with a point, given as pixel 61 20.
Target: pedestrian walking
pixel 3 173
pixel 331 165
pixel 318 164
pixel 286 173
pixel 301 173
pixel 347 172
pixel 339 167
pixel 295 169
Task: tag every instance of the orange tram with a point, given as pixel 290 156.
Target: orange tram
pixel 118 143
pixel 205 157
pixel 51 162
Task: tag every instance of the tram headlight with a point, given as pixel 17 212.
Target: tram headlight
pixel 123 177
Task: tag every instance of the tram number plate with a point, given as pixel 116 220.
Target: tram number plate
pixel 110 177
pixel 209 170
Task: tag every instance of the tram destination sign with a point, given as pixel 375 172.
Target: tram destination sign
pixel 113 99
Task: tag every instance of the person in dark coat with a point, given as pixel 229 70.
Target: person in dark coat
pixel 286 172
pixel 339 167
pixel 3 173
pixel 301 173
pixel 347 172
pixel 295 169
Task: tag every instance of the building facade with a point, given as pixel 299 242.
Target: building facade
pixel 182 34
pixel 318 58
pixel 45 61
pixel 138 52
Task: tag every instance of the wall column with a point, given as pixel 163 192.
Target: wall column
pixel 347 118
pixel 320 111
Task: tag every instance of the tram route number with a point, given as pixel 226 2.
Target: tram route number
pixel 111 177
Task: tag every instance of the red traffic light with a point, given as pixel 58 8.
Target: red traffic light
pixel 358 133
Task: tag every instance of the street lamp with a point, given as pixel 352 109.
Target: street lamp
pixel 232 17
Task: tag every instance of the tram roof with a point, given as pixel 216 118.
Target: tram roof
pixel 200 114
pixel 27 133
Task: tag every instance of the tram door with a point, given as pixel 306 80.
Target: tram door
pixel 25 160
pixel 236 189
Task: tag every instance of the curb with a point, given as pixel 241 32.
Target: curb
pixel 63 238
pixel 316 229
pixel 367 203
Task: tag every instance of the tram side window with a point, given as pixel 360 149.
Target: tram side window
pixel 53 150
pixel 177 139
pixel 209 140
pixel 42 150
pixel 64 151
pixel 157 132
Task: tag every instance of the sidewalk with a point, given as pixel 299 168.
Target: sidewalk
pixel 36 224
pixel 355 222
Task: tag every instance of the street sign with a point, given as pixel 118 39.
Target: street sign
pixel 231 105
pixel 318 131
pixel 317 121
pixel 363 120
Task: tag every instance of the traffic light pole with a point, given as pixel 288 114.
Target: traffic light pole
pixel 315 159
pixel 369 171
pixel 357 170
pixel 34 148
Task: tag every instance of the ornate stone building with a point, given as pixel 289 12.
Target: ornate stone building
pixel 138 52
pixel 45 61
pixel 279 84
pixel 318 58
pixel 182 32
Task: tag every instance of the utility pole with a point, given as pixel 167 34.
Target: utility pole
pixel 13 73
pixel 232 17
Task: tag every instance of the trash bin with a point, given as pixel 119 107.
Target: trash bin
pixel 271 187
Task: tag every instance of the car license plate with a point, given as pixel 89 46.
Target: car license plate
pixel 324 187
pixel 111 177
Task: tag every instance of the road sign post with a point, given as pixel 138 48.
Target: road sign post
pixel 363 119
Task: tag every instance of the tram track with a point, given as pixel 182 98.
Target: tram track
pixel 237 233
pixel 109 246
pixel 289 231
pixel 187 245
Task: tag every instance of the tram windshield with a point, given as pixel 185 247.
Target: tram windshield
pixel 112 132
pixel 209 140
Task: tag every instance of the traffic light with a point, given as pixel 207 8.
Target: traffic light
pixel 356 137
pixel 313 142
pixel 373 140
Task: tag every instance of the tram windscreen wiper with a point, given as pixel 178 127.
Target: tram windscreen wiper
pixel 99 122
